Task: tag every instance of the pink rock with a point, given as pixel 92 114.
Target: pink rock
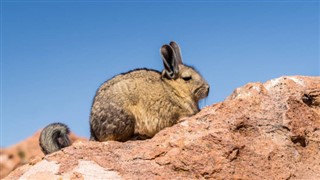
pixel 261 131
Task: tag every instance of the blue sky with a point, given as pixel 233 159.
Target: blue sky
pixel 55 54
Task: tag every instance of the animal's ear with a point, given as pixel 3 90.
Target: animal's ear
pixel 177 51
pixel 170 63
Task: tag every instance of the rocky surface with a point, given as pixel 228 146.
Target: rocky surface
pixel 23 153
pixel 261 131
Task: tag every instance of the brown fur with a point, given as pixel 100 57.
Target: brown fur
pixel 143 102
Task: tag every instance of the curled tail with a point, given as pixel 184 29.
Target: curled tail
pixel 54 137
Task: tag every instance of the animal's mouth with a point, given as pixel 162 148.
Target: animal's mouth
pixel 202 92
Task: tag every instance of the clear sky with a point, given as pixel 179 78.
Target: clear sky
pixel 55 54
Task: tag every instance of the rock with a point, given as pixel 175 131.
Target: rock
pixel 261 131
pixel 27 151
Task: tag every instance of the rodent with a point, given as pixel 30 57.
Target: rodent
pixel 140 103
pixel 54 137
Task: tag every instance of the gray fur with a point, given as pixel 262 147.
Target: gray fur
pixel 54 137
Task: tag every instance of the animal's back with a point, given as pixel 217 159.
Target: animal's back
pixel 137 95
pixel 129 88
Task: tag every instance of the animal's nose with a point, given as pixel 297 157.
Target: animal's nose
pixel 208 89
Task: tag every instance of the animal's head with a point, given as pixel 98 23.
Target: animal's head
pixel 185 80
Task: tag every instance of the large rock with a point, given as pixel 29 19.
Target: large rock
pixel 261 131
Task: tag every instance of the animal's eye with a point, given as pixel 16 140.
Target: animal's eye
pixel 188 78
